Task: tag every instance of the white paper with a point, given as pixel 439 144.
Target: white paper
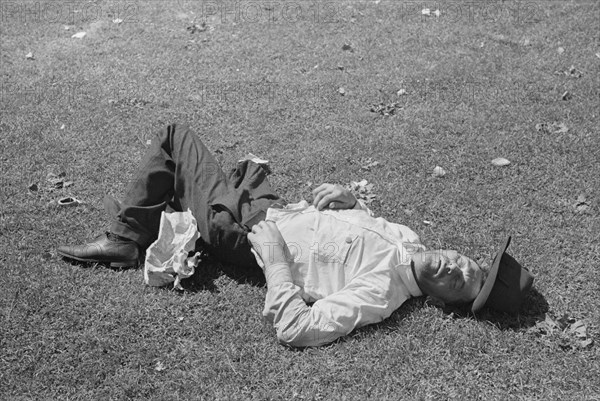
pixel 167 258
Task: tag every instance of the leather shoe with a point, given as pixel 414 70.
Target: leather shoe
pixel 106 248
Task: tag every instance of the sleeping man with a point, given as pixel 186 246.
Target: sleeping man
pixel 330 266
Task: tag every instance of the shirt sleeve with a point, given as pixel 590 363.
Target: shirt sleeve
pixel 361 205
pixel 366 300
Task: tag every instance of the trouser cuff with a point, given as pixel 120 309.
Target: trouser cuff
pixel 124 230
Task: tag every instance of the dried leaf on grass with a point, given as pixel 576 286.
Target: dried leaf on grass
pixel 68 202
pixel 347 47
pixel 500 162
pixel 386 109
pixel 56 181
pixel 429 13
pixel 368 163
pixel 567 331
pixel 571 72
pixel 582 204
pixel 53 182
pixel 362 190
pixel 438 172
pixel 132 102
pixel 554 128
pixel 193 27
pixel 579 329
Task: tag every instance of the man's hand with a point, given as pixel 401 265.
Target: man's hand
pixel 333 197
pixel 267 241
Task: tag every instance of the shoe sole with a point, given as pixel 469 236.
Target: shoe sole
pixel 127 263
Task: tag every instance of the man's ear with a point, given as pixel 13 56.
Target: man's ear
pixel 434 301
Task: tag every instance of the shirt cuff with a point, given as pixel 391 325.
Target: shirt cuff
pixel 278 273
pixel 360 205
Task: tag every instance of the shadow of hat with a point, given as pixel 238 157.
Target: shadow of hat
pixel 506 285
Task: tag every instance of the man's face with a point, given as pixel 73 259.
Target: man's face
pixel 447 275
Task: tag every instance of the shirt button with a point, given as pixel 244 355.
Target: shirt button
pixel 348 240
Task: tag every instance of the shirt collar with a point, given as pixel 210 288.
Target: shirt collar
pixel 409 280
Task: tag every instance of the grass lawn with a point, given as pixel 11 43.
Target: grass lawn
pixel 296 83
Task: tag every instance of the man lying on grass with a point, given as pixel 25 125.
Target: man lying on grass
pixel 330 267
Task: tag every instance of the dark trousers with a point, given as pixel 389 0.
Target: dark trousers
pixel 179 171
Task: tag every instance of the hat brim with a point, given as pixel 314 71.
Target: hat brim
pixel 486 289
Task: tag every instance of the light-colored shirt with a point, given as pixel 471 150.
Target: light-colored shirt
pixel 353 268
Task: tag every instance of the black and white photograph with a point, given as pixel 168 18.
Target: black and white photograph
pixel 299 200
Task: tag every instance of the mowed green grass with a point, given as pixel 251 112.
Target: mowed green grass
pixel 264 78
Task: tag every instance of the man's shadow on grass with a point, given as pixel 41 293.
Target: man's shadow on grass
pixel 203 279
pixel 534 310
pixel 210 270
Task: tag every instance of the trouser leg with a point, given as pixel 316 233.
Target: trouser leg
pixel 177 168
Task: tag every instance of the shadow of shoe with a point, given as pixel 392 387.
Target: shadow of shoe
pixel 97 265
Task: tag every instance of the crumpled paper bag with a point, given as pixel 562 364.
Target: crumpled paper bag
pixel 167 258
